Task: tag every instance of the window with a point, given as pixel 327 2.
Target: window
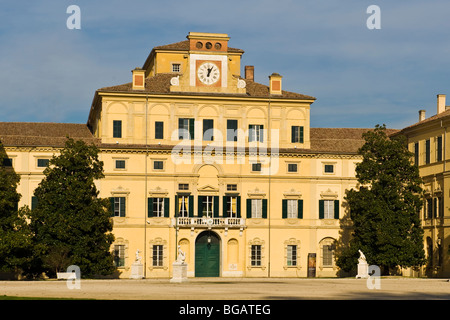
pixel 158 165
pixel 159 130
pixel 120 164
pixel 256 167
pixel 117 129
pixel 7 162
pixel 232 130
pixel 158 207
pixel 255 133
pixel 42 163
pixel 291 255
pixel 34 202
pixel 208 130
pixel 232 206
pixel 176 67
pixel 292 167
pixel 231 187
pixel 118 206
pixel 183 206
pixel 257 208
pixel 416 153
pixel 296 134
pixel 292 208
pixel 429 208
pixel 207 206
pixel 186 129
pixel 327 255
pixel 256 256
pixel 328 209
pixel 329 168
pixel 158 255
pixel 439 149
pixel 119 255
pixel 183 186
pixel 427 151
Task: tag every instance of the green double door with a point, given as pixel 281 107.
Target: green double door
pixel 207 255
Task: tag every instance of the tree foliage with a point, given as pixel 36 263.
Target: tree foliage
pixel 15 236
pixel 71 224
pixel 385 208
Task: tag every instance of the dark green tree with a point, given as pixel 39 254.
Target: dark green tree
pixel 71 224
pixel 385 208
pixel 15 236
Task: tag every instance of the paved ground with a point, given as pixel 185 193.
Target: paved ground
pixel 234 289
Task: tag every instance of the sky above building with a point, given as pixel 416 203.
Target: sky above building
pixel 360 76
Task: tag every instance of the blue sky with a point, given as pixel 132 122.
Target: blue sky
pixel 360 77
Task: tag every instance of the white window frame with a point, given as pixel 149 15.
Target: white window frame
pixel 255 255
pixel 232 200
pixel 158 207
pixel 328 209
pixel 291 255
pixel 175 66
pixel 292 208
pixel 257 208
pixel 183 206
pixel 158 255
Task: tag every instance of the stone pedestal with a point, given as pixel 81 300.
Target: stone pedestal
pixel 179 272
pixel 137 271
pixel 363 270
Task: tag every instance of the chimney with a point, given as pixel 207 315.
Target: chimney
pixel 275 83
pixel 138 79
pixel 440 103
pixel 421 115
pixel 250 73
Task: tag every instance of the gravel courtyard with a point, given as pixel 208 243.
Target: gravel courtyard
pixel 233 289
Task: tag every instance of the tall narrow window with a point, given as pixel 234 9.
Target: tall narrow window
pixel 255 133
pixel 158 207
pixel 186 129
pixel 232 207
pixel 183 206
pixel 159 130
pixel 292 208
pixel 291 255
pixel 257 208
pixel 158 255
pixel 256 256
pixel 208 130
pixel 416 153
pixel 327 255
pixel 427 151
pixel 117 129
pixel 232 130
pixel 119 255
pixel 207 206
pixel 297 134
pixel 118 206
pixel 439 149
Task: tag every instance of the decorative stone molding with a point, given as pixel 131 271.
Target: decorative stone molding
pixel 330 195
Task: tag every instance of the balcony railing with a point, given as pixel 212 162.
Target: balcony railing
pixel 210 222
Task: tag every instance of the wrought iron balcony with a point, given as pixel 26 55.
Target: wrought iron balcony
pixel 210 222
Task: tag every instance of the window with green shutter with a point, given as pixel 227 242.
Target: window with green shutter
pixel 158 207
pixel 292 208
pixel 257 208
pixel 118 206
pixel 159 130
pixel 297 134
pixel 117 129
pixel 439 149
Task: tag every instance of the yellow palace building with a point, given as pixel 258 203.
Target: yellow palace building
pixel 199 156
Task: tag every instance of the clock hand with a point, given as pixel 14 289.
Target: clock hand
pixel 209 71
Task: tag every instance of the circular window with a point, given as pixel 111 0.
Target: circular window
pixel 218 46
pixel 208 45
pixel 199 45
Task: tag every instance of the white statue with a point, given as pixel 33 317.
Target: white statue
pixel 138 258
pixel 181 255
pixel 362 257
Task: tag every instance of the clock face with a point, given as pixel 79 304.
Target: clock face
pixel 208 73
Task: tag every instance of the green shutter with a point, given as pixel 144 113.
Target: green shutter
pixel 224 206
pixel 176 207
pixel 191 206
pixel 249 208
pixel 321 209
pixel 150 207
pixel 111 199
pixel 261 133
pixel 238 206
pixel 34 202
pixel 216 206
pixel 180 127
pixel 200 206
pixel 284 209
pixel 336 209
pixel 191 128
pixel 301 134
pixel 122 207
pixel 435 200
pixel 300 209
pixel 264 208
pixel 159 130
pixel 166 207
pixel 293 138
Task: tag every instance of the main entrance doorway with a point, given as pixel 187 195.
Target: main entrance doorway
pixel 207 255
